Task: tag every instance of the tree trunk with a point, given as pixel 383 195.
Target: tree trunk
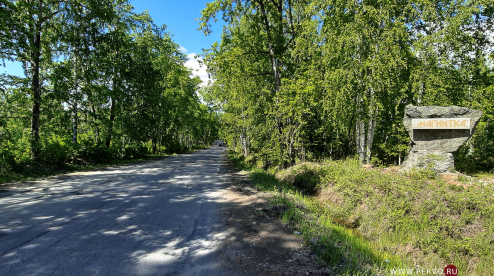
pixel 244 142
pixel 36 86
pixel 123 146
pixel 74 122
pixel 360 131
pixel 272 53
pixel 154 142
pixel 370 138
pixel 112 119
pixel 373 112
pixel 96 133
pixel 421 92
pixel 360 140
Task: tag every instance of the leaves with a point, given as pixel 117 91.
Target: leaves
pixel 300 80
pixel 102 83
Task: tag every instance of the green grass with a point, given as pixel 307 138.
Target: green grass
pixel 35 170
pixel 369 221
pixel 32 170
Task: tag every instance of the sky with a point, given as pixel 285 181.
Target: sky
pixel 179 17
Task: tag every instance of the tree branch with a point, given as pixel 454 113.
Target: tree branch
pixel 253 53
pixel 18 117
pixel 50 16
pixel 260 74
pixel 275 4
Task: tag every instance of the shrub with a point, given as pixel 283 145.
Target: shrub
pixel 305 176
pixel 135 151
pixel 175 147
pixel 98 153
pixel 419 214
pixel 55 150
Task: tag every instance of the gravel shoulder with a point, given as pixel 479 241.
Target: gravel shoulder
pixel 259 243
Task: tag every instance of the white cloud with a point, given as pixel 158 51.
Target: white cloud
pixel 182 49
pixel 198 69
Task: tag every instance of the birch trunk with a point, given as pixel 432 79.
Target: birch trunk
pixel 112 119
pixel 36 86
pixel 75 122
pixel 361 140
pixel 370 138
pixel 75 119
pixel 244 142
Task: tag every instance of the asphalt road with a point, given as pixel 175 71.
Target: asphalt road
pixel 153 218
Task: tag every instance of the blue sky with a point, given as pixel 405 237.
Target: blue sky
pixel 179 16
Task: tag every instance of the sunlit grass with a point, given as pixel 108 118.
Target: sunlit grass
pixel 367 221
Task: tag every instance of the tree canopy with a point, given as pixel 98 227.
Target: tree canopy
pixel 327 79
pixel 101 82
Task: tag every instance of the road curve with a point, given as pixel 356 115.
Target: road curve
pixel 153 218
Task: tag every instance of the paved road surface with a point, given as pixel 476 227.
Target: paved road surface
pixel 154 218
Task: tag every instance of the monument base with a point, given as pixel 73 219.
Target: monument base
pixel 438 161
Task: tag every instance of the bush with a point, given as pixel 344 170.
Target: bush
pixel 135 151
pixel 98 153
pixel 417 214
pixel 56 151
pixel 305 176
pixel 175 147
pixel 7 159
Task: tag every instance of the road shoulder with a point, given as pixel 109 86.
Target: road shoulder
pixel 259 243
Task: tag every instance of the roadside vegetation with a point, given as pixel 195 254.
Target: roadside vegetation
pixel 371 220
pixel 30 169
pixel 102 84
pixel 298 82
pixel 305 80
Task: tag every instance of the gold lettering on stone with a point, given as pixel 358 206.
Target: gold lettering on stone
pixel 441 123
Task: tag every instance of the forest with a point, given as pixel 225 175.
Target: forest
pixel 101 83
pixel 294 80
pixel 312 80
pixel 304 92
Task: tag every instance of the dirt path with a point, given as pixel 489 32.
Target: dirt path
pixel 259 243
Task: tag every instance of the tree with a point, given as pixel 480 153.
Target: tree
pixel 40 34
pixel 308 80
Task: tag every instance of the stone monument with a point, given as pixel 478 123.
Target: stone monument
pixel 436 132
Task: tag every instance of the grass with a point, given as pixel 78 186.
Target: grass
pixel 368 221
pixel 37 170
pixel 32 170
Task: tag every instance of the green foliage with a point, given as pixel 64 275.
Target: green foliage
pixel 97 153
pixel 306 80
pixel 56 150
pixel 424 173
pixel 305 177
pixel 102 83
pixel 135 151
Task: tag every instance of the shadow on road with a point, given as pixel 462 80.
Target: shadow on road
pixel 163 217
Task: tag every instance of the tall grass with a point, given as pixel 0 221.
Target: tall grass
pixel 367 221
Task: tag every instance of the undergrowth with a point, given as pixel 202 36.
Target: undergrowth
pixel 56 161
pixel 369 221
pixel 35 170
